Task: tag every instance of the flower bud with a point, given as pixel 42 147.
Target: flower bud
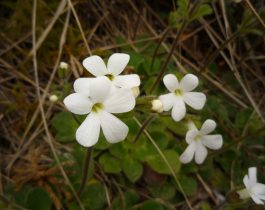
pixel 157 105
pixel 136 91
pixel 63 70
pixel 63 65
pixel 53 98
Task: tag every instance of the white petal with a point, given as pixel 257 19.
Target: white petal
pixel 258 189
pixel 81 85
pixel 190 135
pixel 179 109
pixel 114 129
pixel 88 132
pixel 257 200
pixel 117 63
pixel 120 101
pixel 127 81
pixel 191 125
pixel 252 174
pixel 200 153
pixel 189 82
pixel 188 154
pixel 246 181
pixel 95 65
pixel 78 103
pixel 171 82
pixel 99 88
pixel 212 141
pixel 195 100
pixel 167 101
pixel 207 127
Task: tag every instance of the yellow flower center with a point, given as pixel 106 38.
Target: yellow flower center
pixel 198 137
pixel 110 77
pixel 97 107
pixel 178 92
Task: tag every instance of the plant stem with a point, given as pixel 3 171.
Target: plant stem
pixel 250 6
pixel 167 30
pixel 166 162
pixel 86 168
pixel 164 67
pixel 147 121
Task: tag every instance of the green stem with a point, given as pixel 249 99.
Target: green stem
pixel 148 120
pixel 167 163
pixel 86 169
pixel 165 64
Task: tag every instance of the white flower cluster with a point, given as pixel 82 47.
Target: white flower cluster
pixel 102 96
pixel 181 93
pixel 109 93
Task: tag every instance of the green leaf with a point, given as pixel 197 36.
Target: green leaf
pixel 65 126
pixel 94 196
pixel 132 169
pixel 38 199
pixel 147 205
pixel 183 6
pixel 203 10
pixel 157 163
pixel 119 150
pixel 110 164
pixel 205 206
pixel 242 118
pixel 127 201
pixel 143 150
pixel 165 191
pixel 189 185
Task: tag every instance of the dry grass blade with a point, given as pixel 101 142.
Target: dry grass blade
pixel 49 137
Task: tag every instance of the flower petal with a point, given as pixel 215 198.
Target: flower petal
pixel 78 103
pixel 95 65
pixel 195 100
pixel 114 129
pixel 256 199
pixel 191 125
pixel 190 135
pixel 207 127
pixel 171 82
pixel 258 189
pixel 179 109
pixel 252 174
pixel 167 101
pixel 81 85
pixel 99 88
pixel 246 181
pixel 117 63
pixel 200 153
pixel 188 154
pixel 212 141
pixel 189 82
pixel 127 81
pixel 120 101
pixel 88 132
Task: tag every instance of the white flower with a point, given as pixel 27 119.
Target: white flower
pixel 253 189
pixel 135 91
pixel 180 93
pixel 98 103
pixel 116 64
pixel 199 140
pixel 157 105
pixel 63 65
pixel 53 98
